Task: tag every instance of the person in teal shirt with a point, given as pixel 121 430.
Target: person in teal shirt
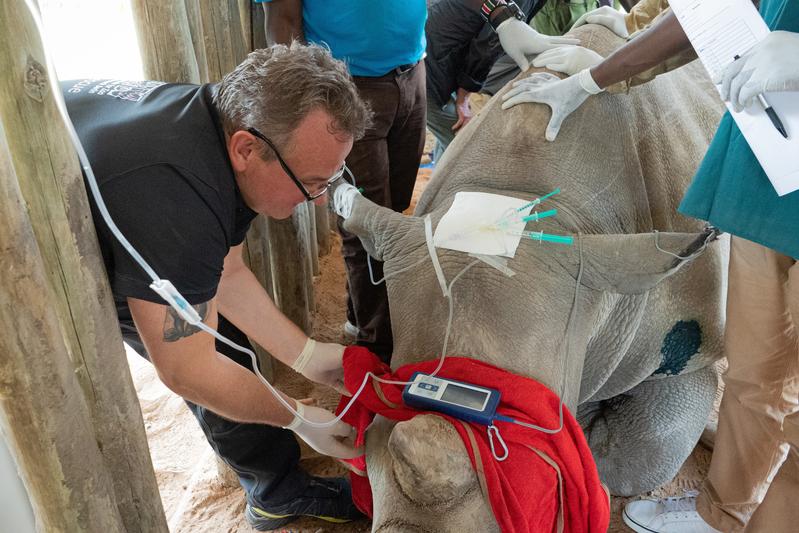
pixel 759 414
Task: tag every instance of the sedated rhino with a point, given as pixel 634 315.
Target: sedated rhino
pixel 636 357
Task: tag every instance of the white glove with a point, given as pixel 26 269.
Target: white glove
pixel 568 59
pixel 322 362
pixel 520 40
pixel 335 441
pixel 343 198
pixel 562 96
pixel 608 17
pixel 772 65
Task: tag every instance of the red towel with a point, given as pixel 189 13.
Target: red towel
pixel 524 490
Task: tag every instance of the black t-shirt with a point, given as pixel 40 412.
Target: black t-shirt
pixel 158 152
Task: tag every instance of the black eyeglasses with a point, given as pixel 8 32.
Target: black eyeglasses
pixel 308 196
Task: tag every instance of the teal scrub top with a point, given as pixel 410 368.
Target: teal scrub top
pixel 373 37
pixel 730 189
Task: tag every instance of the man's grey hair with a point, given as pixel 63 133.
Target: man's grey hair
pixel 276 87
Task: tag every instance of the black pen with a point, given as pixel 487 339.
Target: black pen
pixel 772 115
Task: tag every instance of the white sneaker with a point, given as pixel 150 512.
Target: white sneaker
pixel 350 330
pixel 667 515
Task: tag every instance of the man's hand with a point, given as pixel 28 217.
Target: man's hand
pixel 520 40
pixel 772 65
pixel 568 59
pixel 562 96
pixel 608 17
pixel 322 362
pixel 335 441
pixel 463 109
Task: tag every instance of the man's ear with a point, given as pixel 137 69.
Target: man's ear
pixel 633 264
pixel 241 148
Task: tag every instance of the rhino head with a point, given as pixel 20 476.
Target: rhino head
pixel 422 479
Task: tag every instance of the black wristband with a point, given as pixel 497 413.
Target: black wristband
pixel 501 16
pixel 511 11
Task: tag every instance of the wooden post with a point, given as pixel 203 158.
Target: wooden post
pixel 289 248
pixel 221 34
pixel 42 161
pixel 258 26
pixel 44 414
pixel 322 229
pixel 256 256
pixel 313 253
pixel 245 15
pixel 165 42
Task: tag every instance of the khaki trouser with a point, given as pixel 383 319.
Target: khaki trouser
pixel 759 418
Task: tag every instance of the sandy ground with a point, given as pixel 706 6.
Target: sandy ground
pixel 197 499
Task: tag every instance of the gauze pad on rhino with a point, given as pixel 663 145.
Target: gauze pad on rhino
pixel 470 224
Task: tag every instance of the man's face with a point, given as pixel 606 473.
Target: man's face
pixel 314 155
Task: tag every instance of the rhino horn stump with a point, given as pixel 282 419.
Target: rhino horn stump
pixel 430 461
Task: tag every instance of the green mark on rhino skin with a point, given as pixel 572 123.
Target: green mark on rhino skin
pixel 680 344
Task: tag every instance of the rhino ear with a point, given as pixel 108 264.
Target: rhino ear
pixel 430 462
pixel 633 264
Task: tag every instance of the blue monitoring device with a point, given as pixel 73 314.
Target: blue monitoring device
pixel 454 398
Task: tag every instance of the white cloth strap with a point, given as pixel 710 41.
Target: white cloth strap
pixel 431 248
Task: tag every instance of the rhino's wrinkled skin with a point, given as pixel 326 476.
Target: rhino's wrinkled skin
pixel 646 326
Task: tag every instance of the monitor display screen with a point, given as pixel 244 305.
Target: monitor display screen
pixel 464 396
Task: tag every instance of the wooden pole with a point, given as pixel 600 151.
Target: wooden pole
pixel 289 247
pixel 313 253
pixel 44 415
pixel 322 229
pixel 256 256
pixel 165 42
pixel 55 202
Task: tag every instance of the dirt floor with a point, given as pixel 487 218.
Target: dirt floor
pixel 197 499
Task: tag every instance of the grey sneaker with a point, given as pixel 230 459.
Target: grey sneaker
pixel 666 515
pixel 328 499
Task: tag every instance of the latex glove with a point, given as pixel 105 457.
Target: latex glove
pixel 562 96
pixel 342 197
pixel 335 441
pixel 568 59
pixel 772 65
pixel 520 40
pixel 608 17
pixel 322 362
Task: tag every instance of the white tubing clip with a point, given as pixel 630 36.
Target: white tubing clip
pixel 168 292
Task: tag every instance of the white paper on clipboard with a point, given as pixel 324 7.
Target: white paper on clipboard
pixel 719 30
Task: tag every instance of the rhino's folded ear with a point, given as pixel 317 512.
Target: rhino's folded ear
pixel 633 264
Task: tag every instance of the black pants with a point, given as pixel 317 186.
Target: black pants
pixel 264 457
pixel 384 162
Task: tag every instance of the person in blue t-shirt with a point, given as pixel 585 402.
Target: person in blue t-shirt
pixel 383 43
pixel 759 415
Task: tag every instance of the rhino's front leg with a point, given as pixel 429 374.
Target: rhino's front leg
pixel 641 438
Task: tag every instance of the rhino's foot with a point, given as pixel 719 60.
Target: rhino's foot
pixel 640 439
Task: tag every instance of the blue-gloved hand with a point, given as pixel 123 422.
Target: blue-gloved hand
pixel 772 65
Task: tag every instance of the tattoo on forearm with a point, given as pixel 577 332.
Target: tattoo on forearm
pixel 175 328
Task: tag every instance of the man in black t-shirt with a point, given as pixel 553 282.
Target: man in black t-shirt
pixel 183 169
